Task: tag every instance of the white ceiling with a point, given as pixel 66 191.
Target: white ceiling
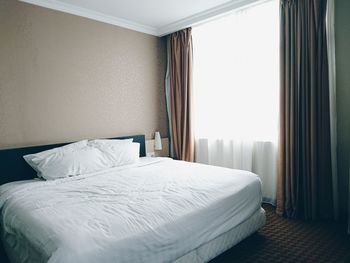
pixel 155 17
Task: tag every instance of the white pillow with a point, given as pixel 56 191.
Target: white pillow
pixel 121 154
pixel 29 157
pixel 70 162
pixel 103 142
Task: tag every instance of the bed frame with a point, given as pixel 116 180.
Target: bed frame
pixel 15 168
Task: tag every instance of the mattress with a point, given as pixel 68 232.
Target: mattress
pixel 225 241
pixel 157 210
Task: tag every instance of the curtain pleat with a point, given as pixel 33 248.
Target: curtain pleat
pixel 257 157
pixel 179 94
pixel 304 168
pixel 332 101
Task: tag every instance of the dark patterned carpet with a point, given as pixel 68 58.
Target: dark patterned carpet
pixel 286 240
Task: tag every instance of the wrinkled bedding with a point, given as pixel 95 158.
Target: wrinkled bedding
pixel 154 211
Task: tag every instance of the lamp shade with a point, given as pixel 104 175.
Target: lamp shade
pixel 157 142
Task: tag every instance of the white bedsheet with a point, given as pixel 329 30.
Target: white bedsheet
pixel 153 211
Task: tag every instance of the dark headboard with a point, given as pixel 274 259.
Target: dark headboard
pixel 14 168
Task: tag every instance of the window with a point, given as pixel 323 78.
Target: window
pixel 236 75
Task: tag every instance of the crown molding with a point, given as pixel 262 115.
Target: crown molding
pixel 193 20
pixel 83 12
pixel 206 16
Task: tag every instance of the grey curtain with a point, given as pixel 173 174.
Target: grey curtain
pixel 304 166
pixel 179 94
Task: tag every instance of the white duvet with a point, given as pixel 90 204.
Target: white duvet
pixel 153 211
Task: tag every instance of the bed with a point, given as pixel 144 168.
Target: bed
pixel 156 210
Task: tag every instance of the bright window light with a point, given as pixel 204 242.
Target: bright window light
pixel 236 75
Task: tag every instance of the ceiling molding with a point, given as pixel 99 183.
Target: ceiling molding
pixel 83 12
pixel 193 20
pixel 205 16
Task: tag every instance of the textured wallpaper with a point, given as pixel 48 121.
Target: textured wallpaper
pixel 64 78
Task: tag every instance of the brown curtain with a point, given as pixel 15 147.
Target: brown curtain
pixel 304 173
pixel 180 94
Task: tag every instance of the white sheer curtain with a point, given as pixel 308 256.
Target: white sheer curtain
pixel 236 90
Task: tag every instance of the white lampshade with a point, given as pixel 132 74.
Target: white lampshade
pixel 157 142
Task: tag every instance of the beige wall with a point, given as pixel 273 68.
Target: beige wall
pixel 64 78
pixel 342 42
